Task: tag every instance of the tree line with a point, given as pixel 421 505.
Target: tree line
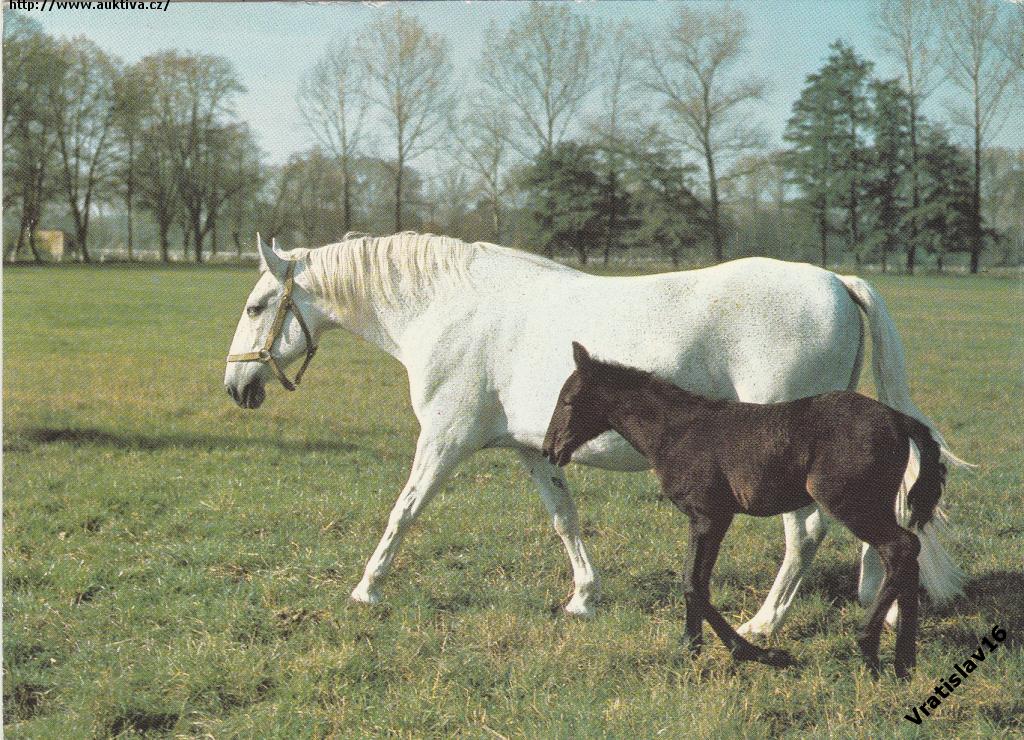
pixel 571 138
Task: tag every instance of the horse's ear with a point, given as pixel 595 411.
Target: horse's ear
pixel 580 355
pixel 270 260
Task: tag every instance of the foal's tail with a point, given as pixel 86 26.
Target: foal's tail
pixel 917 508
pixel 888 363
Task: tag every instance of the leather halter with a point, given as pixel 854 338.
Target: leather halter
pixel 264 355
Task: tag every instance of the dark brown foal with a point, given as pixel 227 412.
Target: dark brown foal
pixel 716 459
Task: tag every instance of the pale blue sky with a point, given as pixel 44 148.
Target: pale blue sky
pixel 273 44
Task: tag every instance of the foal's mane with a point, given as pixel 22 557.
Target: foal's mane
pixel 398 268
pixel 624 377
pixel 621 376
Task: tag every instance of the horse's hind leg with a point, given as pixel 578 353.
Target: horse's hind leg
pixel 871 573
pixel 899 555
pixel 805 529
pixel 431 467
pixel 554 491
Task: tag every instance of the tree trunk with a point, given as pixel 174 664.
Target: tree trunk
pixel 613 216
pixel 236 238
pixel 823 236
pixel 398 196
pixel 976 237
pixel 581 253
pixel 81 235
pixel 165 241
pixel 197 236
pixel 915 194
pixel 716 226
pixel 22 229
pixel 496 220
pixel 32 242
pixel 129 197
pixel 346 197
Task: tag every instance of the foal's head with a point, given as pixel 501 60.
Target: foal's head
pixel 582 409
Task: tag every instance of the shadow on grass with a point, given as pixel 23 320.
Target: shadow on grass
pixel 24 440
pixel 999 597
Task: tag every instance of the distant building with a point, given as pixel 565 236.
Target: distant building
pixel 53 243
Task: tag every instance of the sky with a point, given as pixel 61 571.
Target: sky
pixel 273 44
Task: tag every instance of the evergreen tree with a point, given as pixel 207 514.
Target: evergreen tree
pixel 671 217
pixel 827 133
pixel 889 169
pixel 946 215
pixel 564 193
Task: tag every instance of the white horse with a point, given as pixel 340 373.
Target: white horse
pixel 483 332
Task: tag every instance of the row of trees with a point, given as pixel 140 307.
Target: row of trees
pixel 83 128
pixel 569 137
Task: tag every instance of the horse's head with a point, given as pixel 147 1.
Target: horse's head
pixel 280 323
pixel 581 411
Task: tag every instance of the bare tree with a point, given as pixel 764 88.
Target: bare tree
pixel 1012 40
pixel 408 76
pixel 481 145
pixel 975 63
pixel 84 118
pixel 33 77
pixel 333 104
pixel 197 120
pixel 131 100
pixel 690 67
pixel 542 68
pixel 908 34
pixel 614 127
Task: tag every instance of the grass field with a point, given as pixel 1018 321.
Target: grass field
pixel 174 565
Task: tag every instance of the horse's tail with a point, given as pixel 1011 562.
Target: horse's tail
pixel 887 359
pixel 917 507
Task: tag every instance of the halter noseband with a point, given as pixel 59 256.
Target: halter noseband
pixel 264 355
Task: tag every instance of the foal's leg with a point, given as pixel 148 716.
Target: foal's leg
pixel 706 534
pixel 554 491
pixel 433 463
pixel 899 555
pixel 805 529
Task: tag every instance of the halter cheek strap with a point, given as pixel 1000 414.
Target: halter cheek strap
pixel 264 355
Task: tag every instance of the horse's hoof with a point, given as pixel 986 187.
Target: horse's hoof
pixel 579 608
pixel 365 595
pixel 754 629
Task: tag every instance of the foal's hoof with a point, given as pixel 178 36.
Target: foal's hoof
pixel 904 672
pixel 768 656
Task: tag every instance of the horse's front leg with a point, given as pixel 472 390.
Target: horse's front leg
pixel 434 461
pixel 805 529
pixel 554 492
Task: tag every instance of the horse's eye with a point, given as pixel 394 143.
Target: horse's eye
pixel 254 311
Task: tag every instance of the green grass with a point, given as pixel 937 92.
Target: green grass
pixel 174 565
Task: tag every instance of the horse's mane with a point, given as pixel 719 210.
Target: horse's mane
pixel 399 267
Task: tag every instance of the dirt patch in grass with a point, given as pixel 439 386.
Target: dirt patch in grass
pixel 142 722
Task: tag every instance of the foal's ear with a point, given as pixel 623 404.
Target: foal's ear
pixel 580 355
